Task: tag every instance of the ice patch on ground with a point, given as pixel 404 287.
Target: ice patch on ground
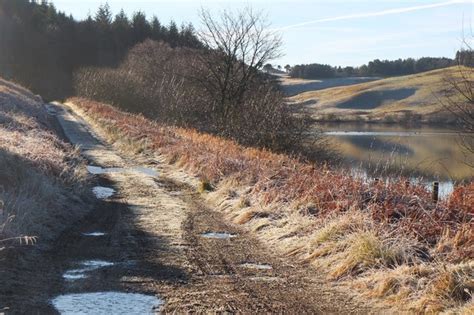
pixel 218 235
pixel 256 266
pixel 265 279
pixel 74 274
pixel 103 192
pixel 94 234
pixel 97 170
pixel 105 303
pixel 85 267
pixel 146 170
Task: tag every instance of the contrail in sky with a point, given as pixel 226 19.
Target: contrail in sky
pixel 379 13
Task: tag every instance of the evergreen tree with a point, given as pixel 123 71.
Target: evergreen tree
pixel 156 29
pixel 141 28
pixel 188 36
pixel 173 34
pixel 103 17
pixel 122 31
pixel 41 47
pixel 103 24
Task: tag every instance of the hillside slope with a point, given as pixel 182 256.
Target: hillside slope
pixel 404 98
pixel 40 175
pixel 293 86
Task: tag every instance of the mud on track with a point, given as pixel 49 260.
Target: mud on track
pixel 151 231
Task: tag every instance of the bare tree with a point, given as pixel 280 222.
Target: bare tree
pixel 459 100
pixel 237 46
pixel 220 89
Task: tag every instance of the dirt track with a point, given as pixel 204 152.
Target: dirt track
pixel 154 225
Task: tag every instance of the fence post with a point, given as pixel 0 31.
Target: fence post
pixel 435 192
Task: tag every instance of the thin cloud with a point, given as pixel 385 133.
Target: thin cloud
pixel 379 13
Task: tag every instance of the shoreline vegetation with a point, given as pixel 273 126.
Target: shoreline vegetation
pixel 389 241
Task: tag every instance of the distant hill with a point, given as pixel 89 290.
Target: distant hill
pixel 404 98
pixel 292 86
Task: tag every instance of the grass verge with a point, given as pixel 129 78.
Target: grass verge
pixel 354 230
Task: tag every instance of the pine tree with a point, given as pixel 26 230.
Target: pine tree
pixel 188 36
pixel 103 17
pixel 156 29
pixel 122 29
pixel 103 23
pixel 141 28
pixel 173 34
pixel 42 47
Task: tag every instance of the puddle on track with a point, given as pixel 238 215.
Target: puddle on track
pixel 51 110
pixel 96 264
pixel 97 170
pixel 103 192
pixel 256 266
pixel 85 266
pixel 102 303
pixel 74 274
pixel 94 234
pixel 265 279
pixel 222 236
pixel 145 170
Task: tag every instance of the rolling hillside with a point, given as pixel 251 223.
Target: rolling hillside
pixel 293 86
pixel 405 98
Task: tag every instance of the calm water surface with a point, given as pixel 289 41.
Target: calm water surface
pixel 427 153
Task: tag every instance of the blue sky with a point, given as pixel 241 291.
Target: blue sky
pixel 335 32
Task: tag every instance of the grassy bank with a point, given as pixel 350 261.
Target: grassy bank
pixel 408 99
pixel 390 242
pixel 42 179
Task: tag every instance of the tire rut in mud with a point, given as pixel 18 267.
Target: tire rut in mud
pixel 222 280
pixel 153 235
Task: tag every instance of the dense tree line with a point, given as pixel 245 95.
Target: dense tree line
pixel 381 67
pixel 211 81
pixel 465 57
pixel 313 71
pixel 42 47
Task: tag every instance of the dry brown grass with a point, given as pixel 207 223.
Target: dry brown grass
pixel 426 288
pixel 246 217
pixel 364 250
pixel 41 177
pixel 355 231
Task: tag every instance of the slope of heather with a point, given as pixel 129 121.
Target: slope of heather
pixel 41 184
pixel 391 99
pixel 388 241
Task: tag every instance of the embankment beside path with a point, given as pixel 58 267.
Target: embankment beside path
pixel 43 182
pixel 390 242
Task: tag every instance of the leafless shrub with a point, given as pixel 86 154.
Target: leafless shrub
pixel 152 81
pixel 458 99
pixel 219 89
